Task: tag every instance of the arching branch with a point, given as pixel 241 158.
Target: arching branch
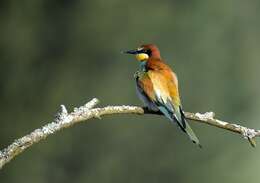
pixel 86 112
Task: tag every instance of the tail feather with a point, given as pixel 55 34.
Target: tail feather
pixel 192 135
pixel 179 118
pixel 189 131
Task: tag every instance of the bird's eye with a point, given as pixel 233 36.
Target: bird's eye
pixel 148 52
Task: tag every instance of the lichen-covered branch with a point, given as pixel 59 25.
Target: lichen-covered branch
pixel 83 113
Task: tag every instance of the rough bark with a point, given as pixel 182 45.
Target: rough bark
pixel 87 111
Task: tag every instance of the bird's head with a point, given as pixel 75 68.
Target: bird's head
pixel 144 52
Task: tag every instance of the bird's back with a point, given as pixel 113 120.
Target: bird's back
pixel 164 78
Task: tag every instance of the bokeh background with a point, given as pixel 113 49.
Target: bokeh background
pixel 56 52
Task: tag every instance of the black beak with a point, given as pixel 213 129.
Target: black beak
pixel 133 52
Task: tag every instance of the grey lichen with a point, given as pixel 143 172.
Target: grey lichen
pixel 206 115
pixel 64 120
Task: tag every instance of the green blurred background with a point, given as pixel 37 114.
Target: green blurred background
pixel 56 52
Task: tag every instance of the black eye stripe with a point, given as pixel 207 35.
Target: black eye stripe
pixel 148 52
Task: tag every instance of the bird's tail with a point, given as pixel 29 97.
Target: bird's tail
pixel 192 135
pixel 188 130
pixel 179 118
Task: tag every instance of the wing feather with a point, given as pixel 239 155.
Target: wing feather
pixel 145 90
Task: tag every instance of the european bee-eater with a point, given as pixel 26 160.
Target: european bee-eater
pixel 157 87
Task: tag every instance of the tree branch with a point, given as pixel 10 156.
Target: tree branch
pixel 86 112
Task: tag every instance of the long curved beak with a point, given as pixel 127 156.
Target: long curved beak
pixel 133 52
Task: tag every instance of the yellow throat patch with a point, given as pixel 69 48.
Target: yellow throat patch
pixel 141 56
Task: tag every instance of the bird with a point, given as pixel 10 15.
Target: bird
pixel 157 87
